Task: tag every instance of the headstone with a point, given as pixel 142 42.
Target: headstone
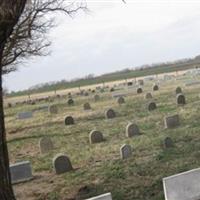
pixel 168 143
pixel 155 88
pixel 62 164
pixel 121 100
pixel 21 172
pixel 110 113
pixel 171 121
pixel 132 130
pixel 141 82
pixel 95 137
pixel 86 106
pixel 183 186
pixel 53 109
pixel 70 102
pixel 25 115
pixel 180 99
pixel 148 96
pixel 151 106
pixel 69 120
pixel 112 89
pixel 178 90
pixel 45 145
pixel 86 94
pixel 96 97
pixel 125 151
pixel 139 90
pixel 106 196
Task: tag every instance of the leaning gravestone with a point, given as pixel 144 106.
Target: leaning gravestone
pixel 70 102
pixel 96 97
pixel 62 164
pixel 168 143
pixel 25 115
pixel 178 90
pixel 53 109
pixel 132 130
pixel 86 106
pixel 155 88
pixel 180 99
pixel 69 120
pixel 151 106
pixel 110 113
pixel 148 96
pixel 171 121
pixel 120 100
pixel 106 196
pixel 183 186
pixel 45 145
pixel 95 137
pixel 139 90
pixel 21 172
pixel 125 151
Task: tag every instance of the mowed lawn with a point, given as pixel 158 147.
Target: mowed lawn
pixel 98 167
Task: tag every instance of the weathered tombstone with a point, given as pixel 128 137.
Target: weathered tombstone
pixel 141 82
pixel 110 113
pixel 171 121
pixel 96 97
pixel 70 102
pixel 155 87
pixel 53 109
pixel 106 196
pixel 86 106
pixel 62 164
pixel 112 89
pixel 132 130
pixel 129 83
pixel 69 120
pixel 45 145
pixel 25 115
pixel 21 172
pixel 151 106
pixel 168 143
pixel 178 90
pixel 180 99
pixel 120 100
pixel 183 186
pixel 95 137
pixel 125 151
pixel 148 96
pixel 139 90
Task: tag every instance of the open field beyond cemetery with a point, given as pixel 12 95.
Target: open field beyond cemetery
pixel 98 167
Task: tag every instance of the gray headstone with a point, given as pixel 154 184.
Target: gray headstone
pixel 69 120
pixel 125 151
pixel 25 115
pixel 106 196
pixel 171 121
pixel 140 82
pixel 70 102
pixel 139 90
pixel 180 99
pixel 110 113
pixel 183 186
pixel 132 130
pixel 96 97
pixel 86 106
pixel 148 96
pixel 168 143
pixel 95 137
pixel 45 145
pixel 62 164
pixel 21 172
pixel 151 106
pixel 53 109
pixel 155 88
pixel 178 90
pixel 121 100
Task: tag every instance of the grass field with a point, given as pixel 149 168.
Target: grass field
pixel 98 167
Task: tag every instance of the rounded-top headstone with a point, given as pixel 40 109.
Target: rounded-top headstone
pixel 53 109
pixel 110 113
pixel 96 97
pixel 120 100
pixel 148 96
pixel 155 87
pixel 168 143
pixel 86 106
pixel 95 137
pixel 112 90
pixel 70 102
pixel 180 99
pixel 151 106
pixel 62 164
pixel 139 90
pixel 178 90
pixel 45 145
pixel 69 120
pixel 132 130
pixel 125 151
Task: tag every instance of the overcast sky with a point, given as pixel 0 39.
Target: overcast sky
pixel 114 36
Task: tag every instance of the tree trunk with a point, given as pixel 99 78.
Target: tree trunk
pixel 6 191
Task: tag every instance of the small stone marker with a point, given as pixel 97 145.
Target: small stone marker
pixel 178 90
pixel 69 120
pixel 25 115
pixel 132 130
pixel 112 90
pixel 86 106
pixel 21 172
pixel 155 88
pixel 183 186
pixel 96 97
pixel 106 196
pixel 139 90
pixel 95 137
pixel 180 99
pixel 45 145
pixel 70 102
pixel 125 151
pixel 62 164
pixel 110 113
pixel 151 106
pixel 141 82
pixel 120 100
pixel 148 96
pixel 53 109
pixel 171 121
pixel 168 143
